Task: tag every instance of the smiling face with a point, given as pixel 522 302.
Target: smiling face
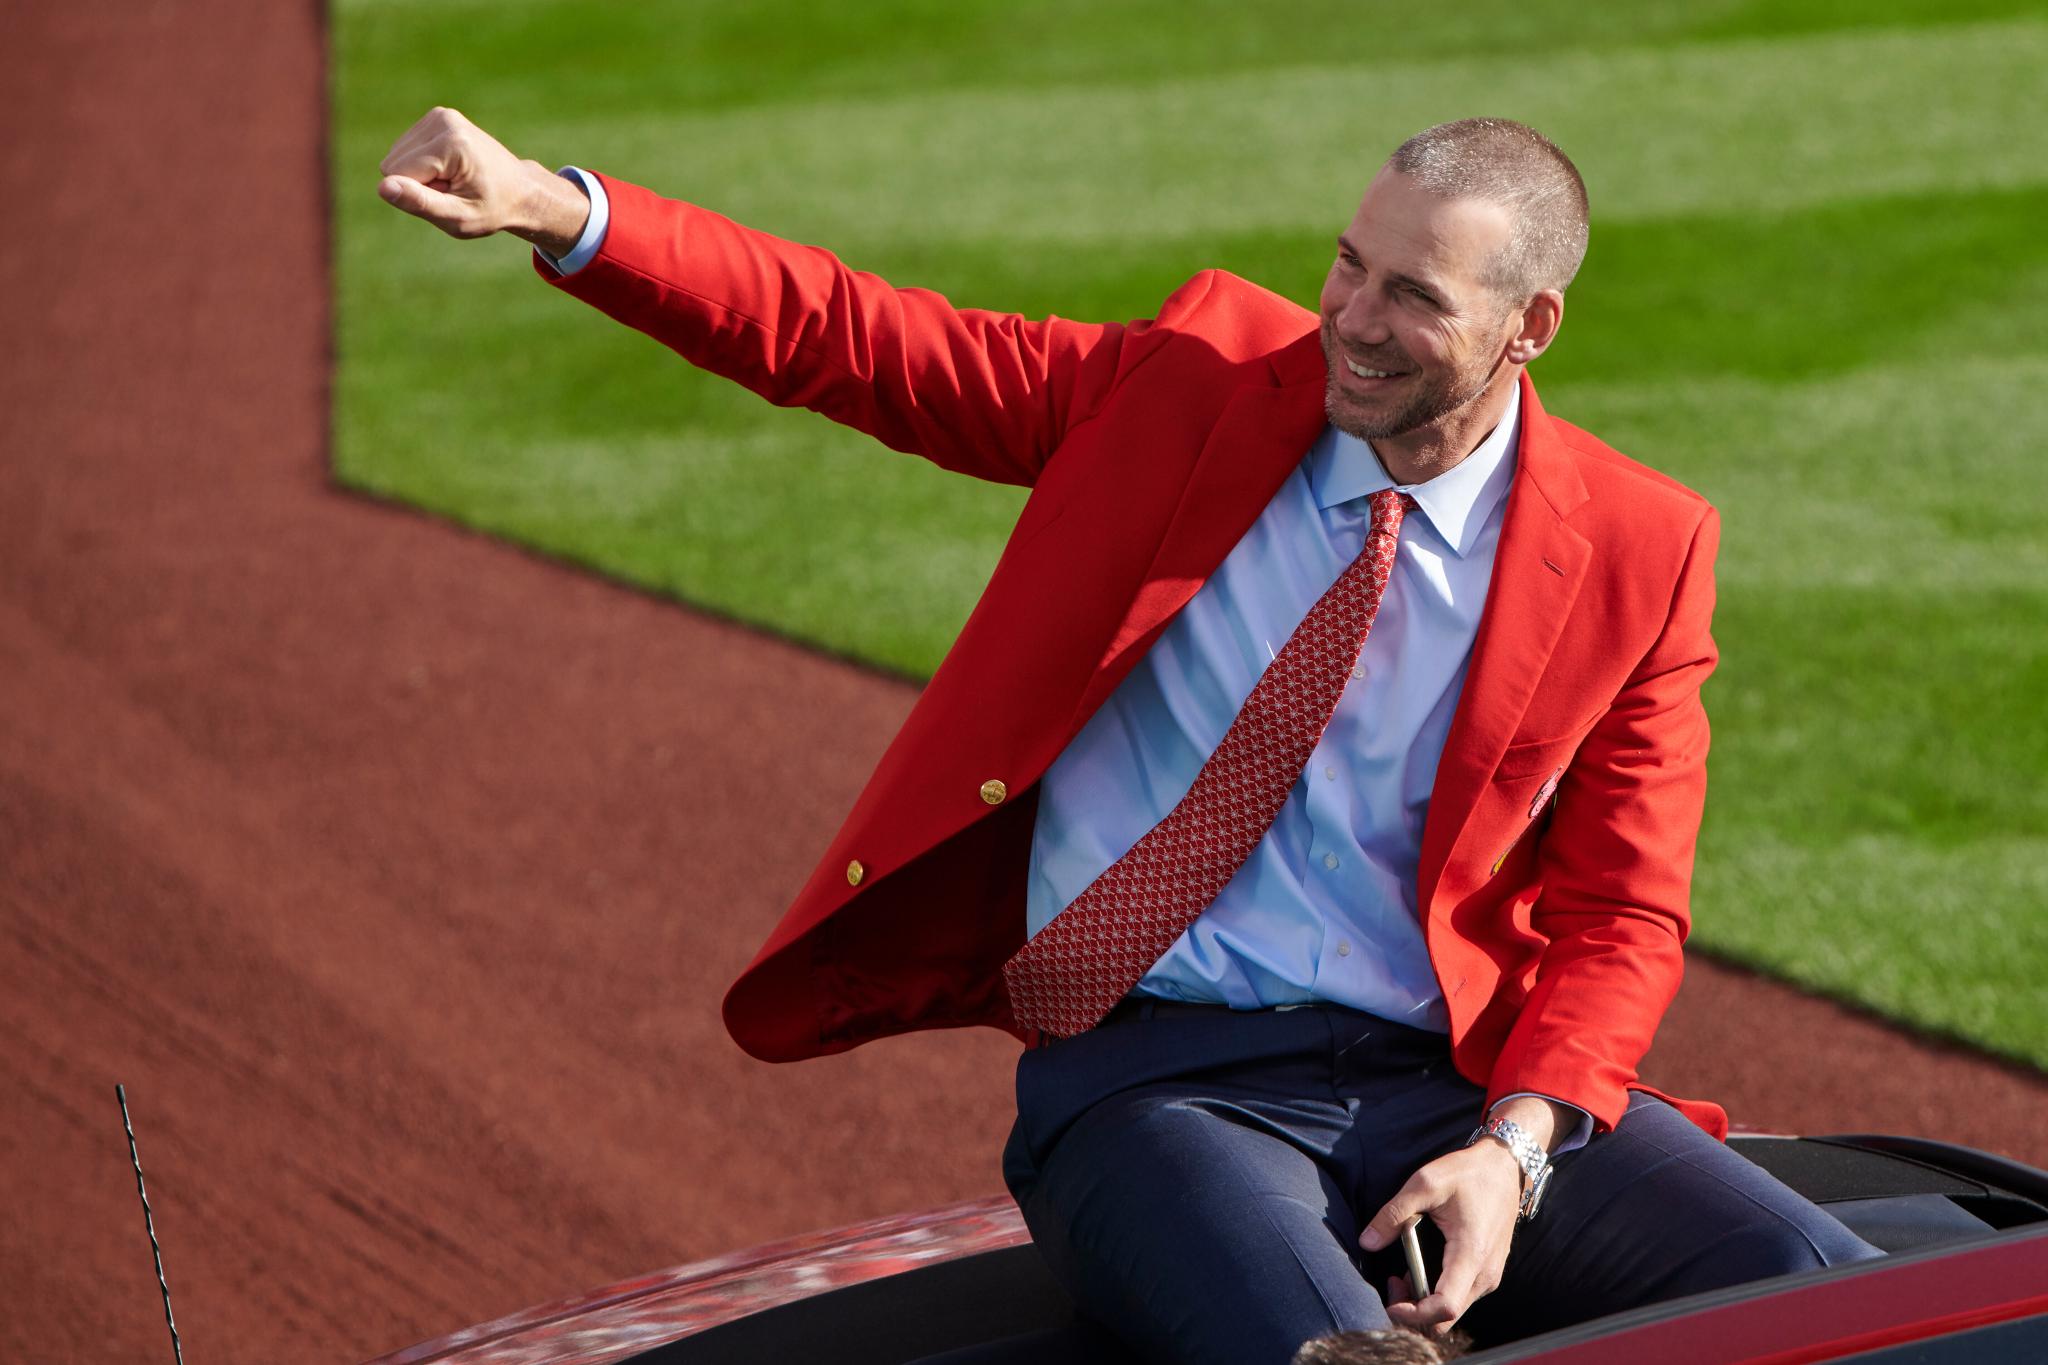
pixel 1420 348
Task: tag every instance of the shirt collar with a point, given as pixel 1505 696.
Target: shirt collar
pixel 1457 502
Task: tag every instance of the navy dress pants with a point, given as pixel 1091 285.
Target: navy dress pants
pixel 1197 1179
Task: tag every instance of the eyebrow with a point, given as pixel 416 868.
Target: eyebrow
pixel 1427 289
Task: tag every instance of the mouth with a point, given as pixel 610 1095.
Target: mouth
pixel 1369 375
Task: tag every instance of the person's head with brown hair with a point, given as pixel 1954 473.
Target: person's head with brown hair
pixel 1388 1346
pixel 1512 165
pixel 1448 280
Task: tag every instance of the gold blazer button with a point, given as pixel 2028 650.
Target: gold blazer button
pixel 854 872
pixel 993 791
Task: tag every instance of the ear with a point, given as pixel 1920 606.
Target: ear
pixel 1541 316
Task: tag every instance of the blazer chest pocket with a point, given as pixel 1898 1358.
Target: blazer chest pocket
pixel 1541 757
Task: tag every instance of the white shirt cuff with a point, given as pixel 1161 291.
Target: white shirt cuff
pixel 594 228
pixel 1579 1134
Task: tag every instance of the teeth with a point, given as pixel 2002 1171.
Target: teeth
pixel 1364 373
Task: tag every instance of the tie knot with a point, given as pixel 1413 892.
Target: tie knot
pixel 1389 506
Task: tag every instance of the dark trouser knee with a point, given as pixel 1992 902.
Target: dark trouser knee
pixel 1656 1210
pixel 1786 1246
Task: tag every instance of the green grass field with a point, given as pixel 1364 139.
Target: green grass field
pixel 1815 293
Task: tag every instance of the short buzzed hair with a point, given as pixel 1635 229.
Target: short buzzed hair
pixel 1387 1346
pixel 1510 164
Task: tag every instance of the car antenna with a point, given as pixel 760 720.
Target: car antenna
pixel 121 1094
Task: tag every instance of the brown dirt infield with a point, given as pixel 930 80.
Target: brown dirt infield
pixel 398 873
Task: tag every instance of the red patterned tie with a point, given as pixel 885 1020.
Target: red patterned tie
pixel 1075 969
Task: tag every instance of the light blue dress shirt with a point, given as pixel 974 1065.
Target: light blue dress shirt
pixel 1324 909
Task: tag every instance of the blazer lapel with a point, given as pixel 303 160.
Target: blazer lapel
pixel 1262 434
pixel 1537 569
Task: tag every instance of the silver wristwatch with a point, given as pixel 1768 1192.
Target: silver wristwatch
pixel 1528 1154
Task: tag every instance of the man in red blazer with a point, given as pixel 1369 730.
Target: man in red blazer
pixel 1547 885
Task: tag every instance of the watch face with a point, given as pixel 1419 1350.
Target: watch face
pixel 1535 1195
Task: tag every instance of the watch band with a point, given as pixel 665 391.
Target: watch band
pixel 1528 1154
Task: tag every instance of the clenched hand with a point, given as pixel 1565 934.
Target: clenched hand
pixel 465 182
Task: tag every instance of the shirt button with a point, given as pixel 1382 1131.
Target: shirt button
pixel 1343 948
pixel 1358 671
pixel 1330 860
pixel 854 872
pixel 993 791
pixel 1330 773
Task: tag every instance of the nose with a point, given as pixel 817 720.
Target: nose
pixel 1358 318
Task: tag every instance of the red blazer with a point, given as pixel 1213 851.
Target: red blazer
pixel 1557 856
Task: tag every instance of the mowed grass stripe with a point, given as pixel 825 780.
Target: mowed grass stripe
pixel 596 58
pixel 1789 296
pixel 1914 477
pixel 1904 714
pixel 1928 280
pixel 1753 126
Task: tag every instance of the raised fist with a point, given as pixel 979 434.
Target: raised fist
pixel 458 177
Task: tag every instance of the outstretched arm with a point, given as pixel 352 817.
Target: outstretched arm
pixel 982 393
